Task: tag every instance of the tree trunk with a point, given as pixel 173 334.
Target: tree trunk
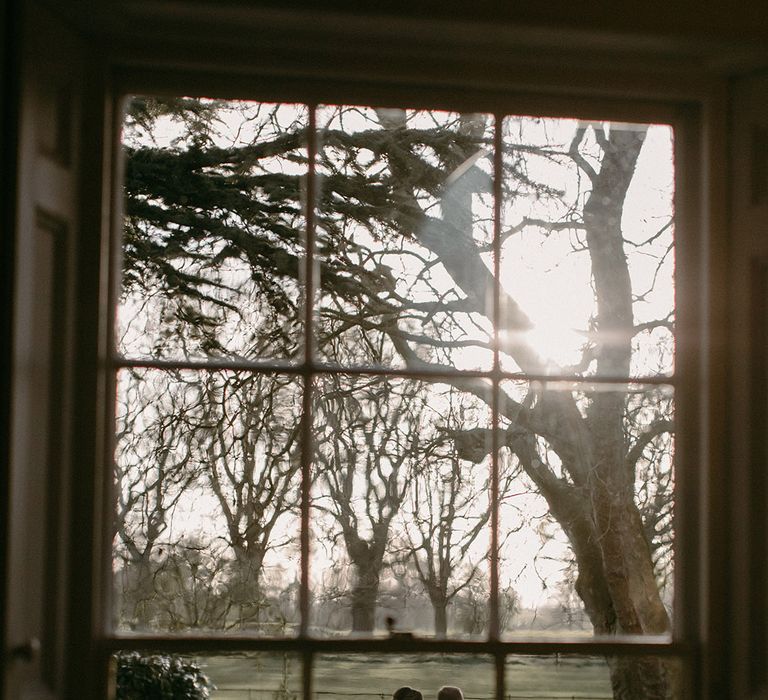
pixel 246 591
pixel 632 677
pixel 138 594
pixel 364 594
pixel 641 678
pixel 441 618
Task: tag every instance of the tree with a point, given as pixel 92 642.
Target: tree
pixel 247 444
pixel 368 435
pixel 154 470
pixel 404 249
pixel 184 436
pixel 448 512
pixel 472 611
pixel 191 587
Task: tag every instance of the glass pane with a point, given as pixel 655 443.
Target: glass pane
pixel 400 515
pixel 213 229
pixel 207 475
pixel 378 677
pixel 587 493
pixel 231 676
pixel 570 677
pixel 404 230
pixel 587 265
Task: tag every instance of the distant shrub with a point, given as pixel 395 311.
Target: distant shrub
pixel 160 677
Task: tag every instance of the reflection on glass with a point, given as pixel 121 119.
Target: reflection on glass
pixel 370 676
pixel 206 482
pixel 587 263
pixel 569 676
pixel 587 498
pixel 404 228
pixel 401 507
pixel 212 233
pixel 231 676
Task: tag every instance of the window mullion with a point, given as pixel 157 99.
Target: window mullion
pixel 427 373
pixel 498 163
pixel 493 632
pixel 309 295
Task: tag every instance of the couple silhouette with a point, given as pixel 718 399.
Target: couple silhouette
pixel 447 692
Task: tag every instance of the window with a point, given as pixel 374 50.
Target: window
pixel 395 400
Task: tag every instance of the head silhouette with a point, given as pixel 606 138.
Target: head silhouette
pixel 406 693
pixel 450 692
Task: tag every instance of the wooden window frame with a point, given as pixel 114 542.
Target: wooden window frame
pixel 693 111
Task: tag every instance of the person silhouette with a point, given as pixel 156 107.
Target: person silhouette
pixel 390 622
pixel 450 692
pixel 407 693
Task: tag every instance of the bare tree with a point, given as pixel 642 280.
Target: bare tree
pixel 186 437
pixel 448 510
pixel 246 442
pixel 368 436
pixel 191 583
pixel 593 499
pixel 154 471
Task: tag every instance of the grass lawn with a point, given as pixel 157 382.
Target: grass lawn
pixel 375 677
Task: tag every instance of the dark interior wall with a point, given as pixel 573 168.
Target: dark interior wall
pixel 682 18
pixel 479 46
pixel 718 33
pixel 691 19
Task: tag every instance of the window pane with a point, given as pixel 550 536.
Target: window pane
pixel 207 479
pixel 569 677
pixel 400 517
pixel 405 221
pixel 587 493
pixel 587 250
pixel 377 677
pixel 213 229
pixel 231 676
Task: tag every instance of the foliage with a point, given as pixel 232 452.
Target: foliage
pixel 160 677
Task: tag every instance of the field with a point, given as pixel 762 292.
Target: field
pixel 375 677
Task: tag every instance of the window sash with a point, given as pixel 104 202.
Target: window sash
pixel 686 617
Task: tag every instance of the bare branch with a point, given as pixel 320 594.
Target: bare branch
pixel 666 322
pixel 577 157
pixel 548 226
pixel 659 427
